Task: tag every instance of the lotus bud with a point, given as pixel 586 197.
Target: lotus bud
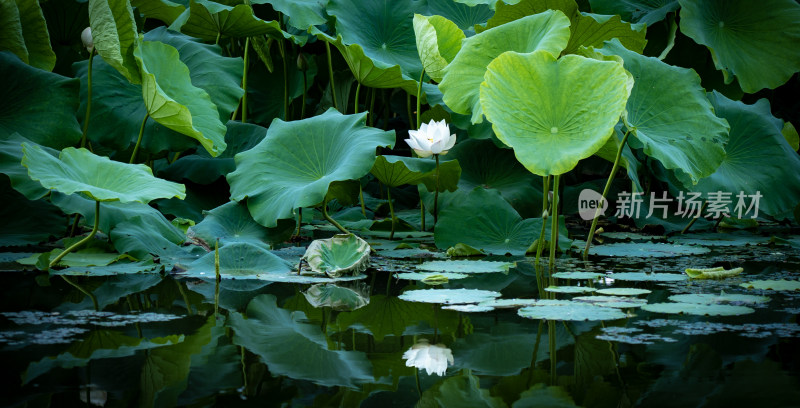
pixel 86 37
pixel 302 62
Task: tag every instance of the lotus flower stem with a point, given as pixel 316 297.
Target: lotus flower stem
pixel 422 214
pixel 88 100
pixel 218 279
pixel 535 353
pixel 361 199
pixel 371 118
pixel 84 240
pixel 355 103
pixel 331 220
pixel 89 294
pixel 391 210
pixel 408 111
pixel 244 79
pixel 554 225
pixel 305 86
pixel 611 176
pixel 185 297
pixel 419 100
pixel 216 42
pixel 283 51
pixel 551 337
pixel 139 139
pixel 545 190
pixel 330 74
pixel 416 377
pixel 74 228
pixel 689 225
pixel 436 194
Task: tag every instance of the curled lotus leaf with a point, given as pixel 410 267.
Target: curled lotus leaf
pixel 713 273
pixel 344 254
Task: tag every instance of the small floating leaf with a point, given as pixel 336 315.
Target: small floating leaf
pixel 708 298
pixel 648 277
pixel 646 250
pixel 698 309
pixel 577 275
pixel 573 311
pixel 344 254
pixel 431 278
pixel 514 303
pixel 772 284
pixel 469 308
pixel 464 266
pixel 623 291
pixel 570 289
pixel 449 296
pixel 712 273
pixel 612 301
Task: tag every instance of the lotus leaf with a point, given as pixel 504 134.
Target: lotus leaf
pixel 449 296
pixel 569 289
pixel 390 316
pixel 515 303
pixel 296 162
pixel 572 311
pixel 10 165
pixel 115 35
pixel 336 297
pixel 395 171
pixel 783 285
pixel 623 291
pixel 210 21
pixel 141 238
pixel 697 309
pixel 469 308
pixel 719 239
pixel 243 260
pixel 79 170
pixel 38 105
pixel 438 42
pixel 342 255
pixel 173 101
pixel 646 250
pixel 708 298
pixel 465 266
pixel 27 222
pixel 739 32
pixel 578 275
pixel 647 277
pixel 637 11
pixel 114 269
pixel 114 212
pixel 465 16
pixel 23 30
pixel 713 273
pixel 542 395
pixel 560 118
pixel 301 14
pixel 431 278
pixel 267 325
pixel 669 116
pixel 164 10
pixel 617 302
pixel 232 223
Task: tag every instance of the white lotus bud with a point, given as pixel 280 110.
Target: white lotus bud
pixel 86 37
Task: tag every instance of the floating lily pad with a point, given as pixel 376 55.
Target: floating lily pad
pixel 717 239
pixel 469 308
pixel 79 258
pixel 781 285
pixel 409 253
pixel 646 250
pixel 698 309
pixel 431 277
pixel 713 273
pixel 708 298
pixel 336 297
pixel 623 291
pixel 117 268
pixel 574 311
pixel 449 296
pixel 618 302
pixel 647 277
pixel 578 275
pixel 515 303
pixel 464 266
pixel 569 289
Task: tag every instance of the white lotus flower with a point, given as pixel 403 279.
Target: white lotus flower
pixel 433 358
pixel 86 37
pixel 431 138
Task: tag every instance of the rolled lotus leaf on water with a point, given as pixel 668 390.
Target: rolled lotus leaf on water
pixel 343 254
pixel 712 273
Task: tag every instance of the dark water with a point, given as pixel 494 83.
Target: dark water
pixel 158 342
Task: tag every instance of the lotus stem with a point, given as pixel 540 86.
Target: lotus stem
pixel 244 79
pixel 436 194
pixel 88 100
pixel 216 42
pixel 408 111
pixel 422 214
pixel 75 223
pixel 551 337
pixel 299 220
pixel 331 220
pixel 689 225
pixel 535 353
pixel 84 291
pixel 391 210
pixel 355 103
pixel 361 199
pixel 371 117
pixel 283 51
pixel 419 98
pixel 185 297
pixel 545 206
pixel 305 85
pixel 554 225
pixel 139 139
pixel 217 280
pixel 330 74
pixel 611 176
pixel 84 240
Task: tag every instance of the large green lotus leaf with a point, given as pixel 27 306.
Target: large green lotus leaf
pixel 586 29
pixel 465 16
pixel 646 250
pixel 341 255
pixel 302 14
pixel 297 161
pixel 559 117
pixel 572 311
pixel 698 309
pixel 118 107
pixel 383 28
pixel 23 31
pixel 208 20
pixel 111 213
pixel 164 10
pixel 483 164
pixel 465 266
pixel 336 297
pixel 11 165
pixel 547 31
pixel 449 296
pixel 232 223
pixel 37 104
pixel 570 289
pixel 115 35
pixel 648 277
pixel 267 325
pixel 202 168
pixel 395 171
pixel 499 231
pixel 79 170
pixel 623 291
pixel 669 115
pixel 758 160
pixel 367 71
pixel 636 11
pixel 27 222
pixel 140 238
pixel 173 101
pixel 787 285
pixel 241 260
pixel 83 258
pixel 739 32
pixel 438 42
pixel 708 298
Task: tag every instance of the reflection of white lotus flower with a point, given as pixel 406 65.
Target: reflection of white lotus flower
pixel 86 37
pixel 433 358
pixel 431 138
